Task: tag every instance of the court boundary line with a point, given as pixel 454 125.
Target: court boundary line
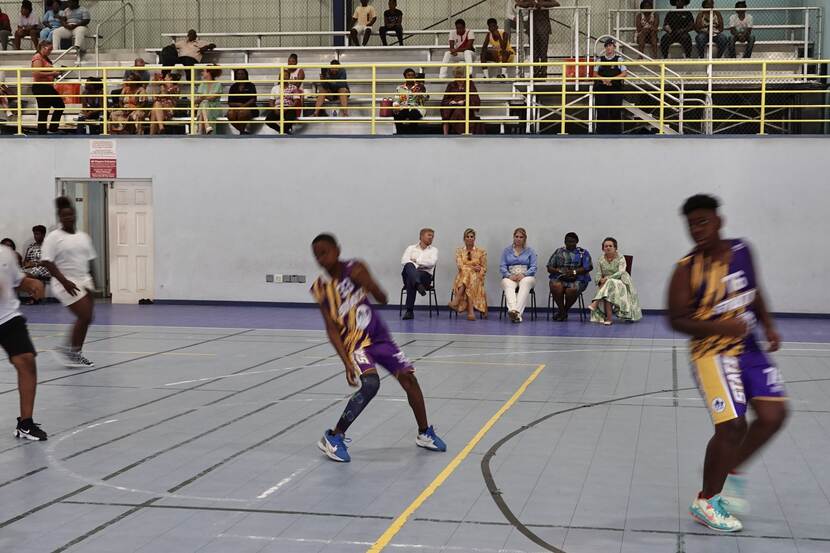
pixel 436 483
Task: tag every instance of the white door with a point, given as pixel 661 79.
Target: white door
pixel 131 241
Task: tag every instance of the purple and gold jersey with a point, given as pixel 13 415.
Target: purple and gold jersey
pixel 721 291
pixel 350 309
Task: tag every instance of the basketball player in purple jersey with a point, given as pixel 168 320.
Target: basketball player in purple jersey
pixel 362 340
pixel 714 297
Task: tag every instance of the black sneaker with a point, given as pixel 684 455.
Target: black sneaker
pixel 408 315
pixel 29 430
pixel 422 289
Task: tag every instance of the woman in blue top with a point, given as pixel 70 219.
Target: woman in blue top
pixel 518 272
pixel 570 272
pixel 50 20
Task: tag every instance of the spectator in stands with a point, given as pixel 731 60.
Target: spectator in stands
pixel 409 103
pixel 647 23
pixel 134 103
pixel 392 23
pixel 51 19
pixel 242 100
pixel 496 48
pixel 616 294
pixel 677 26
pixel 164 103
pixel 27 25
pixel 453 110
pixel 143 74
pixel 461 48
pixel 208 100
pixel 363 20
pixel 92 103
pixel 43 89
pixel 5 30
pixel 518 274
pixel 74 21
pixel 333 82
pixel 9 243
pixel 718 37
pixel 570 272
pixel 191 49
pixel 740 29
pixel 541 31
pixel 468 289
pixel 31 261
pixel 418 262
pixel 292 98
pixel 608 89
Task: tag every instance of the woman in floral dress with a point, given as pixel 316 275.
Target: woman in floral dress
pixel 616 294
pixel 468 288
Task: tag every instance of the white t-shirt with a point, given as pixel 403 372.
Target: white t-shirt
pixel 513 11
pixel 10 278
pixel 458 39
pixel 740 25
pixel 71 253
pixel 364 15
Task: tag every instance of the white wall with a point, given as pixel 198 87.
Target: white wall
pixel 230 210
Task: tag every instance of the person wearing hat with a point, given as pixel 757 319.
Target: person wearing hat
pixel 740 27
pixel 608 89
pixel 702 27
pixel 677 26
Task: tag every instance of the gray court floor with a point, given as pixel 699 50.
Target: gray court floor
pixel 185 439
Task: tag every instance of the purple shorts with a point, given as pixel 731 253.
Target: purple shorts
pixel 729 383
pixel 385 354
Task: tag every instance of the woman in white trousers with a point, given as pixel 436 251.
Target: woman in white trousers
pixel 518 272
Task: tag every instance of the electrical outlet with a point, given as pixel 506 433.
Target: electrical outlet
pixel 301 279
pixel 278 279
pixel 269 278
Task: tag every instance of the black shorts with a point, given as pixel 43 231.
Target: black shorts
pixel 14 337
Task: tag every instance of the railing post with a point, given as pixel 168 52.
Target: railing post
pixel 564 96
pixel 467 70
pixel 105 102
pixel 374 98
pixel 662 97
pixel 19 103
pixel 763 97
pixel 282 101
pixel 193 99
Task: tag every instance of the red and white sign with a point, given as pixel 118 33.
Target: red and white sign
pixel 103 159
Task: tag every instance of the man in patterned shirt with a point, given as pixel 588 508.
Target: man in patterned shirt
pixel 31 261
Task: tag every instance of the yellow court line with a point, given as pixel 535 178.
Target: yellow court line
pixel 399 522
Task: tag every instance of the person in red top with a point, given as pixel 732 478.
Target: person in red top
pixel 42 88
pixel 5 30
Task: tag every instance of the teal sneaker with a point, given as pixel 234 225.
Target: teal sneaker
pixel 712 513
pixel 734 495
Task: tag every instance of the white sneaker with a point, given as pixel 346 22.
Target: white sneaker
pixel 712 513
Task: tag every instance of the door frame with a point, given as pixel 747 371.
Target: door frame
pixel 109 184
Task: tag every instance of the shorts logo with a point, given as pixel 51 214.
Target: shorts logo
pixel 718 405
pixel 363 317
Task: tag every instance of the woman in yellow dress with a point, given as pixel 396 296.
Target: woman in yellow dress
pixel 468 289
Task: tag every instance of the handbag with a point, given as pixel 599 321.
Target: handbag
pixel 386 107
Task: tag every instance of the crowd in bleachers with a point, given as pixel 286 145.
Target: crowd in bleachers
pixel 64 23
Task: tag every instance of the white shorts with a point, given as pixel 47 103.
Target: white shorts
pixel 85 285
pixel 361 28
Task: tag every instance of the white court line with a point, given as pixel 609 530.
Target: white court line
pixel 419 547
pixel 286 480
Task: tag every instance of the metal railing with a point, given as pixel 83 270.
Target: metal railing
pixel 127 21
pixel 663 96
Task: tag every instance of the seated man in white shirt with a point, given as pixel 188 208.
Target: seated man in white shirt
pixel 740 27
pixel 461 48
pixel 418 268
pixel 363 19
